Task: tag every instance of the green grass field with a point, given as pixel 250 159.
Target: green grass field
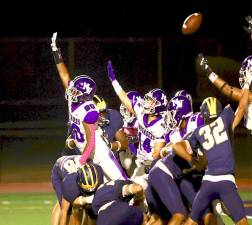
pixel 26 209
pixel 35 209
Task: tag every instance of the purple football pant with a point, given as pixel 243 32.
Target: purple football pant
pixel 167 190
pixel 120 213
pixel 226 191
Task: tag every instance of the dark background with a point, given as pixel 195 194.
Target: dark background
pixel 122 18
pixel 142 38
pixel 126 32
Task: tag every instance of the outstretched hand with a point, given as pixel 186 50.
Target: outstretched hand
pixel 111 72
pixel 249 28
pixel 53 43
pixel 204 64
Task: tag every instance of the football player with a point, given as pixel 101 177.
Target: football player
pixel 129 131
pixel 74 185
pixel 112 206
pixel 226 89
pixel 150 124
pixel 83 115
pixel 172 181
pixel 85 134
pixel 214 138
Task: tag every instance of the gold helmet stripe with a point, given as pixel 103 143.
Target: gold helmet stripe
pixel 211 104
pixel 85 175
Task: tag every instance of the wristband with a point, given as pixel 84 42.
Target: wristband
pixel 89 199
pixel 80 200
pixel 57 56
pixel 246 85
pixel 117 87
pixel 212 77
pixel 130 189
pixel 119 145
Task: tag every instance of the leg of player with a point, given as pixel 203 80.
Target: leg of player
pixel 210 219
pixel 64 217
pixel 76 215
pixel 55 217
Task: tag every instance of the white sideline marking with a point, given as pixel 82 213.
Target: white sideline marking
pixel 47 202
pixel 5 202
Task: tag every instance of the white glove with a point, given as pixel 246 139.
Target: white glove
pixel 53 44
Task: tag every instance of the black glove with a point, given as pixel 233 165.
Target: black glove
pixel 204 64
pixel 249 28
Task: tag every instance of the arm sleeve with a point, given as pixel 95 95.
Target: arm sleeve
pixel 89 148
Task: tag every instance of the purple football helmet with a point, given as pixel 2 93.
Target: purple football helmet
pixel 81 89
pixel 184 93
pixel 155 101
pixel 246 67
pixel 134 96
pixel 178 108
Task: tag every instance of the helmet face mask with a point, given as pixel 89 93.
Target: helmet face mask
pixel 245 70
pixel 150 104
pixel 178 109
pixel 81 89
pixel 170 122
pixel 134 97
pixel 128 117
pixel 88 178
pixel 155 102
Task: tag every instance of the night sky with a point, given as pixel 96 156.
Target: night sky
pixel 221 18
pixel 29 72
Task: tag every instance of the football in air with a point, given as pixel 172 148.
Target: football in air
pixel 192 23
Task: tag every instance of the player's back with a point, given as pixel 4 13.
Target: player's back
pixel 215 139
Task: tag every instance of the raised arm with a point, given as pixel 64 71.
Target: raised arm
pixel 249 28
pixel 243 103
pixel 230 91
pixel 61 67
pixel 118 89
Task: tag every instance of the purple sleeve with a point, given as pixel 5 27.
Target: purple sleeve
pixel 132 148
pixel 91 117
pixel 167 137
pixel 200 120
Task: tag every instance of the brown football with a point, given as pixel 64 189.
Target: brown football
pixel 192 23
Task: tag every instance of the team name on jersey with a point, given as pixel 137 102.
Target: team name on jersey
pixel 74 119
pixel 146 133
